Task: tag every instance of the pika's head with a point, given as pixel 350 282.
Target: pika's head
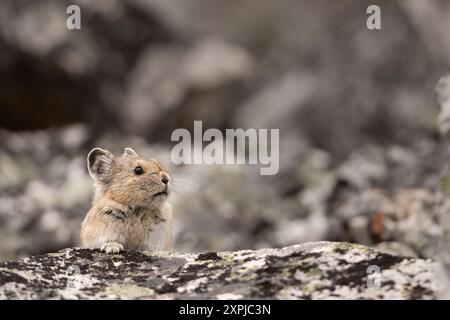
pixel 129 179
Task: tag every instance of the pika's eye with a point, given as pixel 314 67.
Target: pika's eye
pixel 138 170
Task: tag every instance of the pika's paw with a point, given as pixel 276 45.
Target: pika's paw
pixel 112 247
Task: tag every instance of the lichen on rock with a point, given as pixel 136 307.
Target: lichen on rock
pixel 317 270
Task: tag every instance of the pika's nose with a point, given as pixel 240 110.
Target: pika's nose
pixel 164 179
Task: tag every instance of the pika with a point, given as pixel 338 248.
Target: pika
pixel 129 210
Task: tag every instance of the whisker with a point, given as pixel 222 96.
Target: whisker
pixel 182 183
pixel 177 188
pixel 179 193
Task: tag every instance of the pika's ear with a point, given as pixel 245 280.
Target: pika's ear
pixel 129 152
pixel 99 163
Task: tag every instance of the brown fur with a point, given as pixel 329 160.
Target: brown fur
pixel 128 211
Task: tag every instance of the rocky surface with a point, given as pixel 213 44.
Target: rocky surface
pixel 363 143
pixel 319 270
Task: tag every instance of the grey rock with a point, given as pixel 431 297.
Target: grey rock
pixel 395 248
pixel 164 77
pixel 364 168
pixel 408 216
pixel 316 270
pixel 443 96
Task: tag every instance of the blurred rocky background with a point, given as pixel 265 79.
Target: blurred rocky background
pixel 362 156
